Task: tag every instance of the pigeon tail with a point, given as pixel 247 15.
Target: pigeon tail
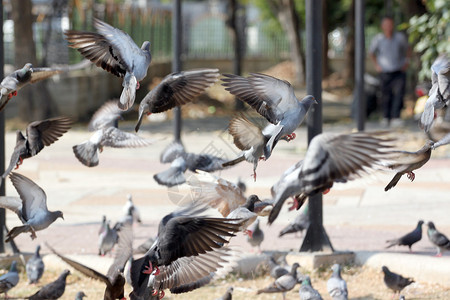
pixel 86 153
pixel 128 93
pixel 288 229
pixel 392 243
pixel 170 177
pixel 234 161
pixel 393 182
pixel 16 231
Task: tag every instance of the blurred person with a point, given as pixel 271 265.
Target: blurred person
pixel 389 52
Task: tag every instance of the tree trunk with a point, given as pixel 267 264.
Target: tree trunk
pixel 349 51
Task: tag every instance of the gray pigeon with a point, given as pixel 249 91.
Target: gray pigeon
pixel 275 100
pixel 9 280
pixel 80 295
pixel 102 225
pixel 35 267
pixel 114 51
pixel 38 134
pixel 245 214
pixel 336 286
pixel 257 236
pixel 228 294
pixel 441 242
pixel 104 123
pixel 53 290
pixel 307 292
pixel 176 89
pixel 300 223
pixel 107 239
pixel 439 95
pixel 408 239
pixel 276 271
pixel 134 210
pixel 182 161
pixel 405 162
pixel 330 158
pixel 395 281
pixel 443 141
pixel 31 208
pixel 283 284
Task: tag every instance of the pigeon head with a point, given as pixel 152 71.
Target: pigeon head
pixel 336 268
pixel 431 225
pixel 13 266
pixel 64 274
pixel 146 46
pixel 384 269
pixel 294 269
pixel 38 248
pixel 80 295
pixel 308 101
pixel 230 290
pixel 58 214
pixel 130 198
pixel 420 223
pixel 25 72
pixel 306 280
pixel 250 203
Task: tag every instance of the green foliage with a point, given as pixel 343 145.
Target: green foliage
pixel 430 33
pixel 271 24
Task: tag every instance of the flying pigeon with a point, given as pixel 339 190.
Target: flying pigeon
pixel 307 292
pixel 53 290
pixel 114 279
pixel 176 89
pixel 38 134
pixel 31 208
pixel 408 239
pixel 104 123
pixel 330 158
pixel 182 161
pixel 395 281
pixel 441 242
pixel 80 295
pixel 107 239
pixel 114 51
pixel 300 223
pixel 443 141
pixel 406 162
pixel 228 294
pixel 245 214
pixel 134 210
pixel 439 95
pixel 257 236
pixel 187 251
pixel 275 100
pixel 336 286
pixel 35 267
pixel 276 271
pixel 9 280
pixel 283 284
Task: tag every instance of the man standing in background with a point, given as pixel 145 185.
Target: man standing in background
pixel 390 54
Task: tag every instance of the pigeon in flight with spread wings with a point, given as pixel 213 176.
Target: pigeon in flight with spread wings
pixel 31 208
pixel 114 51
pixel 188 249
pixel 38 134
pixel 176 89
pixel 106 134
pixel 114 278
pixel 331 158
pixel 275 100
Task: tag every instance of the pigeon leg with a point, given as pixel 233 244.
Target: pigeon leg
pixel 411 176
pixel 10 96
pixel 326 191
pixel 254 175
pixel 262 158
pixel 290 137
pixel 138 85
pixel 161 294
pixel 155 292
pixel 19 163
pixel 148 269
pixel 295 204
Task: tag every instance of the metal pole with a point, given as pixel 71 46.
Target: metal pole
pixel 360 56
pixel 2 136
pixel 316 238
pixel 177 37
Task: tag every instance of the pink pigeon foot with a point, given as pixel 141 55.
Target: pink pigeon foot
pixel 148 269
pixel 253 175
pixel 411 176
pixel 249 233
pixel 438 255
pixel 295 204
pixel 138 85
pixel 326 191
pixel 290 137
pixel 19 163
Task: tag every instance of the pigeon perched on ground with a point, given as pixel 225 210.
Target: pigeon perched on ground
pixel 114 279
pixel 245 214
pixel 104 123
pixel 31 208
pixel 135 211
pixel 182 161
pixel 228 294
pixel 276 271
pixel 114 51
pixel 38 134
pixel 80 295
pixel 395 281
pixel 439 95
pixel 35 267
pixel 406 162
pixel 53 290
pixel 257 236
pixel 300 223
pixel 307 292
pixel 441 242
pixel 107 239
pixel 408 239
pixel 283 284
pixel 336 286
pixel 176 89
pixel 330 158
pixel 275 100
pixel 9 280
pixel 186 253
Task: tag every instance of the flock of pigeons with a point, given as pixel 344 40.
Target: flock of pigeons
pixel 190 246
